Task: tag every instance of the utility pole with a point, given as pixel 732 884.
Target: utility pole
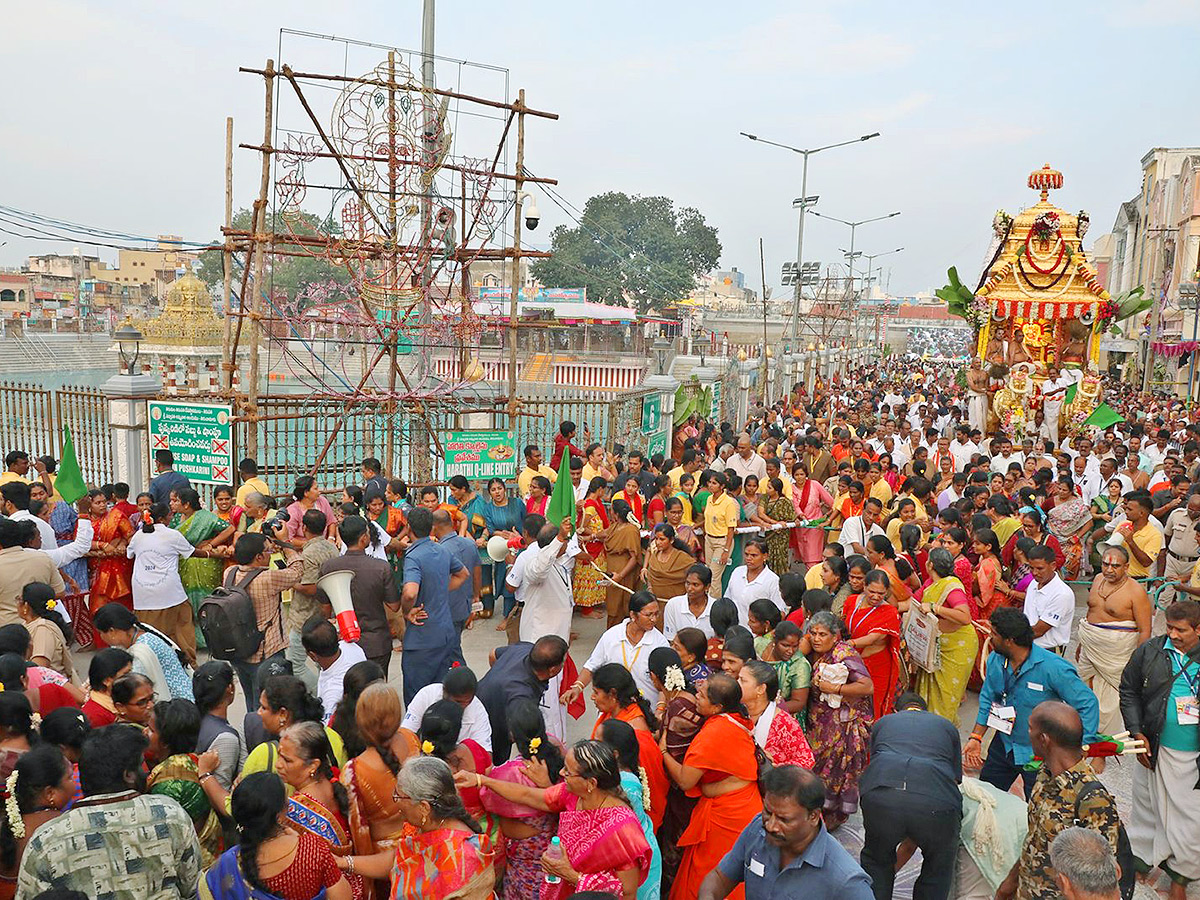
pixel 516 275
pixel 763 268
pixel 429 83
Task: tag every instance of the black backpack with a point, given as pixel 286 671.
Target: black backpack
pixel 1124 849
pixel 227 619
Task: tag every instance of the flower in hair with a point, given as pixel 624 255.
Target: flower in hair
pixel 455 664
pixel 427 747
pixel 673 680
pixel 51 604
pixel 534 744
pixel 12 811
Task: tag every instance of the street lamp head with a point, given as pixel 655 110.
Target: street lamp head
pixel 896 213
pixel 660 348
pixel 753 137
pixel 128 341
pixel 805 201
pixel 867 137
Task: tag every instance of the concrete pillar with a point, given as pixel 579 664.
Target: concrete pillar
pixel 666 385
pixel 126 396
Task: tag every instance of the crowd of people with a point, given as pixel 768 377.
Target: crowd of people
pixel 798 612
pixel 938 342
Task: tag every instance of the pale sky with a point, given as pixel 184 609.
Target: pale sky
pixel 112 114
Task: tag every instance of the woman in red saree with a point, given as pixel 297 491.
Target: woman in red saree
pixel 590 589
pixel 603 847
pixel 722 770
pixel 882 555
pixel 109 569
pixel 873 629
pixel 616 696
pixel 812 501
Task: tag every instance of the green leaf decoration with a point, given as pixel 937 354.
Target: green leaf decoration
pixel 956 295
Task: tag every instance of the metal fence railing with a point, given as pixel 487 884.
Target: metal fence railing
pixel 31 419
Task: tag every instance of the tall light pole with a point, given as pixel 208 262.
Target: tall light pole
pixel 803 206
pixel 871 257
pixel 853 228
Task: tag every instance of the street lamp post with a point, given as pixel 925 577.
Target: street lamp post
pixel 854 228
pixel 871 257
pixel 803 206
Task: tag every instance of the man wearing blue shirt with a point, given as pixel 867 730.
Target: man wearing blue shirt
pixel 1021 675
pixel 167 479
pixel 431 573
pixel 467 553
pixel 786 853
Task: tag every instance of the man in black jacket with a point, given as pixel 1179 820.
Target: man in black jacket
pixel 1159 690
pixel 909 792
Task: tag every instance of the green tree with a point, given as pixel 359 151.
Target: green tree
pixel 290 275
pixel 632 251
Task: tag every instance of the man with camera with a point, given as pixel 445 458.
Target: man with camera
pixel 252 554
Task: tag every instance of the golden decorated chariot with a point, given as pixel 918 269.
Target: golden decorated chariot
pixel 1038 306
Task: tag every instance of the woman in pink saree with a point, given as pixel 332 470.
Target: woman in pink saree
pixel 812 501
pixel 602 844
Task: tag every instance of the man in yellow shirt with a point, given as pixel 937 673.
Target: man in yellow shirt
pixel 16 467
pixel 720 519
pixel 251 483
pixel 533 468
pixel 1143 540
pixel 687 465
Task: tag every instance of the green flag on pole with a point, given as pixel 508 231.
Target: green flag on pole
pixel 69 483
pixel 1103 416
pixel 562 500
pixel 1071 392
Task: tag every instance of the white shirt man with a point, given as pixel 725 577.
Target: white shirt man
pixel 743 592
pixel 156 556
pixel 614 646
pixel 1053 394
pixel 1053 604
pixel 329 680
pixel 545 589
pixel 377 549
pixel 1001 461
pixel 677 614
pixel 962 452
pixel 746 461
pixel 475 724
pixel 857 529
pixel 49 540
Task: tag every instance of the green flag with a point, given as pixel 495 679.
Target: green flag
pixel 1103 416
pixel 69 483
pixel 562 500
pixel 1071 392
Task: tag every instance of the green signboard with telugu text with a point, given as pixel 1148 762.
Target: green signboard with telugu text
pixel 199 436
pixel 478 455
pixel 657 443
pixel 652 413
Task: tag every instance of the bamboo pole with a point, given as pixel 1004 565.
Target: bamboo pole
pixel 393 273
pixel 259 286
pixel 227 255
pixel 409 86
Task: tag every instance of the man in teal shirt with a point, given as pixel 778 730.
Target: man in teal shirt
pixel 1020 675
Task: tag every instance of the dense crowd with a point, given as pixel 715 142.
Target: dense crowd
pixel 798 611
pixel 938 343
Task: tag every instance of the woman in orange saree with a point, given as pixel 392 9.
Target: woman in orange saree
pixel 109 569
pixel 720 768
pixel 882 555
pixel 376 819
pixel 616 696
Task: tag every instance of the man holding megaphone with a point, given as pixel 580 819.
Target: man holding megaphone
pixel 368 595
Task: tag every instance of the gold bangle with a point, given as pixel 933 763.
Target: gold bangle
pixel 478 781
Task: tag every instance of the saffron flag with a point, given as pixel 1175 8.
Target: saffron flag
pixel 69 483
pixel 562 500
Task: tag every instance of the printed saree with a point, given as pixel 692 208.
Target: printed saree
pixel 178 777
pixel 447 863
pixel 840 737
pixel 224 881
pixel 305 813
pixel 944 689
pixel 598 844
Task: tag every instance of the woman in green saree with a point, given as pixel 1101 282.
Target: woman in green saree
pixel 212 537
pixel 174 729
pixel 1104 508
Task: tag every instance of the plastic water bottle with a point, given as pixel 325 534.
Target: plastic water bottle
pixel 555 851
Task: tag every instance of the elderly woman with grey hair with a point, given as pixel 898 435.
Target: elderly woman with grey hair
pixel 446 855
pixel 958 643
pixel 840 713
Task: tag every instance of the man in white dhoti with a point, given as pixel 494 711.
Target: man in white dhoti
pixel 977 400
pixel 1159 690
pixel 1118 620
